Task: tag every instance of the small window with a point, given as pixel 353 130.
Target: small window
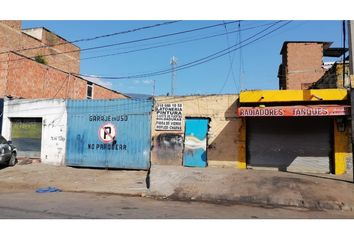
pixel 89 90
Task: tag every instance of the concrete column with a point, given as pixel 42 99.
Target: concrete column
pixel 241 160
pixel 341 148
pixel 351 45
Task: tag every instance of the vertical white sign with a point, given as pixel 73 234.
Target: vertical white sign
pixel 169 117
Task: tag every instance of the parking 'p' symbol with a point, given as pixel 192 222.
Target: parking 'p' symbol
pixel 107 133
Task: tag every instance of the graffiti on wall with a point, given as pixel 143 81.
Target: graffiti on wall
pixel 169 146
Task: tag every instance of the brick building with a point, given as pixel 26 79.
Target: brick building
pixel 13 38
pixel 21 76
pixel 301 64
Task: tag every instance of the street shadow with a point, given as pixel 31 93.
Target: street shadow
pixel 110 169
pixel 328 177
pixel 225 145
pixel 3 166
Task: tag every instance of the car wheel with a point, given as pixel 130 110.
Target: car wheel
pixel 13 160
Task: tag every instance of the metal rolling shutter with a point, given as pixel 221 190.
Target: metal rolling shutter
pixel 26 135
pixel 301 144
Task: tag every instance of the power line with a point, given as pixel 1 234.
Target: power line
pixel 190 37
pixel 202 60
pixel 132 41
pixel 241 66
pixel 173 43
pixel 187 64
pixel 223 54
pixel 274 23
pixel 231 60
pixel 97 37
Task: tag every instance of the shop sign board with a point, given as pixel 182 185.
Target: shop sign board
pixel 294 111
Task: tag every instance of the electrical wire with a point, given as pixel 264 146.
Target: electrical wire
pixel 202 60
pixel 97 37
pixel 241 66
pixel 173 43
pixel 231 60
pixel 132 41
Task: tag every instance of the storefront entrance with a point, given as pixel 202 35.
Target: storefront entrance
pixel 291 144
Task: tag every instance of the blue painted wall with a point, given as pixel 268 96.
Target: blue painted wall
pixel 130 148
pixel 195 142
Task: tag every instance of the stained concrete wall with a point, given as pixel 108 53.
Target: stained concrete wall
pixel 54 118
pixel 333 78
pixel 223 135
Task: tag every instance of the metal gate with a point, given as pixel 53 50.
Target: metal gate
pixel 109 133
pixel 300 144
pixel 26 135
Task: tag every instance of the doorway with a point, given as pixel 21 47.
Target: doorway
pixel 195 142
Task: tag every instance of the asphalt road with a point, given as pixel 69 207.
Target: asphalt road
pixel 69 205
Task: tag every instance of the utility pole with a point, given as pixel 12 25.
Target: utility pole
pixel 351 72
pixel 173 63
pixel 153 87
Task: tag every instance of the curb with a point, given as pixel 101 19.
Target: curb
pixel 254 200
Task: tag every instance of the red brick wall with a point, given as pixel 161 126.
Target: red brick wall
pixel 104 93
pixel 3 73
pixel 28 79
pixel 13 23
pixel 304 64
pixel 11 38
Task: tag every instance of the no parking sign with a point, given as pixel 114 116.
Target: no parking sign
pixel 107 133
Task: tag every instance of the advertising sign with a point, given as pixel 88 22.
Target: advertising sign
pixel 169 117
pixel 294 111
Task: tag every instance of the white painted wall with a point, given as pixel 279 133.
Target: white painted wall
pixel 54 118
pixel 34 32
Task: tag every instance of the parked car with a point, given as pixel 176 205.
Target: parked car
pixel 8 152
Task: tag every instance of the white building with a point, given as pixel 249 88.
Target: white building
pixel 37 128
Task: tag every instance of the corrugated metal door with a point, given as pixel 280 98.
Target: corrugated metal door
pixel 195 142
pixel 294 144
pixel 26 135
pixel 109 133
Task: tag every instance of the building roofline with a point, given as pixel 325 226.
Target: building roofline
pixel 46 29
pixel 73 74
pixel 325 44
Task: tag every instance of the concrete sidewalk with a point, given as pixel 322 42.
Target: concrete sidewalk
pixel 320 191
pixel 33 176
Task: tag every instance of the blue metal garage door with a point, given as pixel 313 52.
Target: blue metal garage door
pixel 109 133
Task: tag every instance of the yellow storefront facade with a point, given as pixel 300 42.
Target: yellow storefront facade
pixel 295 130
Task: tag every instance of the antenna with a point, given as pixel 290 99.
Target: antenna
pixel 173 63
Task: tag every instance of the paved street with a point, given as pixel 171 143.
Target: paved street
pixel 68 205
